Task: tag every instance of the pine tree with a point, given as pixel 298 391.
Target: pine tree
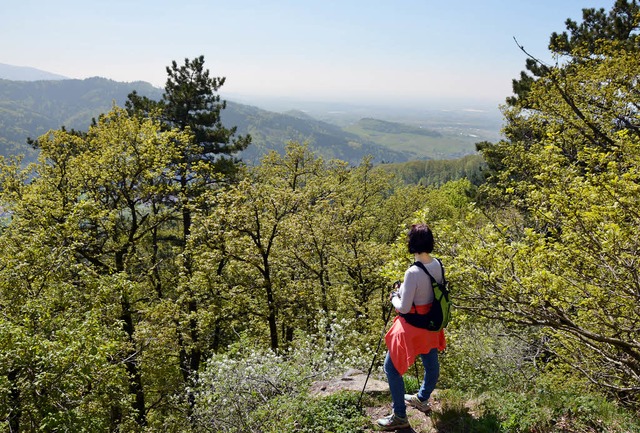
pixel 191 103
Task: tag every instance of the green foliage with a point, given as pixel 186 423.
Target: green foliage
pixel 483 355
pixel 97 218
pixel 620 24
pixel 411 383
pixel 455 415
pixel 542 408
pixel 550 410
pixel 303 236
pixel 581 41
pixel 337 413
pixel 190 102
pixel 595 43
pixel 561 253
pixel 75 260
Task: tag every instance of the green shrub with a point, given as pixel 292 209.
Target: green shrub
pixel 454 415
pixel 338 413
pixel 482 356
pixel 411 384
pixel 546 410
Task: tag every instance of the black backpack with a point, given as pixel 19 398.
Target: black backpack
pixel 438 316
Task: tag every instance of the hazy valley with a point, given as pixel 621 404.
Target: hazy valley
pixel 32 102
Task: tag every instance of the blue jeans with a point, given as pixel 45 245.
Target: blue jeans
pixel 396 384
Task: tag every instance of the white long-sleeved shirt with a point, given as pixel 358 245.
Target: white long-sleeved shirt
pixel 416 287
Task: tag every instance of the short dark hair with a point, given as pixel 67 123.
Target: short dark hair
pixel 420 239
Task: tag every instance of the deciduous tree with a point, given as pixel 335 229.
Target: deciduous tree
pixel 618 29
pixel 85 217
pixel 563 256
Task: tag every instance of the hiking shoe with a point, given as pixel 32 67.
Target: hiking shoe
pixel 413 401
pixel 392 422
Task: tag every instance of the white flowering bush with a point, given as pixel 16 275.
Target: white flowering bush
pixel 344 346
pixel 250 389
pixel 231 387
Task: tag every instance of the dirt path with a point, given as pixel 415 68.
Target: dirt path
pixel 378 390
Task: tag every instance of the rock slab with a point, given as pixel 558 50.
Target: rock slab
pixel 352 380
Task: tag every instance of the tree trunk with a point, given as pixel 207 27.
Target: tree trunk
pixel 135 377
pixel 190 357
pixel 15 410
pixel 156 278
pixel 273 328
pixel 132 358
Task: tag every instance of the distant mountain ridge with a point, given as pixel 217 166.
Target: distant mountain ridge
pixel 26 73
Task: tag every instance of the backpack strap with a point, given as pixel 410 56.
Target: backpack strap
pixel 423 267
pixel 433 280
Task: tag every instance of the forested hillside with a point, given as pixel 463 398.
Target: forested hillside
pixel 271 131
pixel 151 282
pixel 440 171
pixel 29 109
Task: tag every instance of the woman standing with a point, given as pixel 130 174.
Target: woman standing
pixel 404 341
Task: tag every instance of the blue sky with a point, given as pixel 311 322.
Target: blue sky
pixel 358 51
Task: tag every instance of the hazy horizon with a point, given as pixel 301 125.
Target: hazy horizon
pixel 327 109
pixel 352 51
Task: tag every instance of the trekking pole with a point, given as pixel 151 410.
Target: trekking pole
pixel 375 354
